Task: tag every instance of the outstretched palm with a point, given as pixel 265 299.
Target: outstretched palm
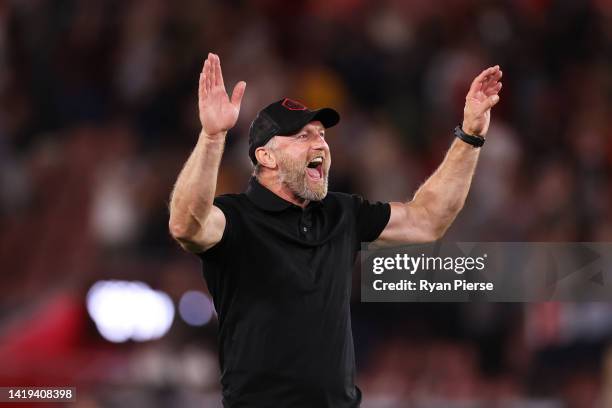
pixel 482 96
pixel 218 113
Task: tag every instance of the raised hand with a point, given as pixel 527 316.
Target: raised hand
pixel 482 96
pixel 218 113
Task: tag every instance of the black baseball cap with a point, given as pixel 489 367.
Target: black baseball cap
pixel 283 118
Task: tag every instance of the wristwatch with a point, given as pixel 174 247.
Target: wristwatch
pixel 476 141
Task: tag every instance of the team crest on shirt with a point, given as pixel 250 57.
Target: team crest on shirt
pixel 293 105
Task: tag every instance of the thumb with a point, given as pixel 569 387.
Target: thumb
pixel 238 93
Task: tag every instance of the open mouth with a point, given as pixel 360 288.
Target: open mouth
pixel 314 169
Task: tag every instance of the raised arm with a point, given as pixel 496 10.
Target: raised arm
pixel 194 221
pixel 438 201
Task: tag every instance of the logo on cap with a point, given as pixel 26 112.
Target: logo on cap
pixel 292 105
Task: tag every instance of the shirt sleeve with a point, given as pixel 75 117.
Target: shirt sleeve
pixel 372 218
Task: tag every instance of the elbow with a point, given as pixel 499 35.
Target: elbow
pixel 182 225
pixel 180 231
pixel 176 229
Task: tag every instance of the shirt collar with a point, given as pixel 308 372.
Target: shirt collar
pixel 265 199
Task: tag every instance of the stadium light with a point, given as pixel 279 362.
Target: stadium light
pixel 125 310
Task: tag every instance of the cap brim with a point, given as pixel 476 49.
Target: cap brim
pixel 327 116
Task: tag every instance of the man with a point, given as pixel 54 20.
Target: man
pixel 278 258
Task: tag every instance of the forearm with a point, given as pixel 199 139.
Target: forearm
pixel 442 196
pixel 438 201
pixel 192 198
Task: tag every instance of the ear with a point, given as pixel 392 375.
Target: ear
pixel 265 157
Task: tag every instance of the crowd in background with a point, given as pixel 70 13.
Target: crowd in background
pixel 98 113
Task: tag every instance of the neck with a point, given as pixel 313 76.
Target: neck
pixel 280 189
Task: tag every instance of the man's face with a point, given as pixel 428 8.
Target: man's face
pixel 304 160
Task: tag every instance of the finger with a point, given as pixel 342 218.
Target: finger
pixel 492 79
pixel 477 83
pixel 208 76
pixel 215 68
pixel 498 74
pixel 211 69
pixel 238 93
pixel 218 74
pixel 495 75
pixel 204 73
pixel 490 102
pixel 202 92
pixel 494 89
pixel 490 83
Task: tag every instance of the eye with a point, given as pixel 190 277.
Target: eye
pixel 322 134
pixel 302 136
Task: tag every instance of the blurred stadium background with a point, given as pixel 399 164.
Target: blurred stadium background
pixel 98 113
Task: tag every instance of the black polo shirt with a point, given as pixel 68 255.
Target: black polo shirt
pixel 281 282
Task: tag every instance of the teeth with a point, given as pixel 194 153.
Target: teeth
pixel 315 162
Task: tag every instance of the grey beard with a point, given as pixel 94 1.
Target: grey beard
pixel 296 181
pixel 312 195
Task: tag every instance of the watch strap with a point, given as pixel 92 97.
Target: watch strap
pixel 476 141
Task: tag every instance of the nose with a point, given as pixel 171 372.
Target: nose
pixel 320 143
